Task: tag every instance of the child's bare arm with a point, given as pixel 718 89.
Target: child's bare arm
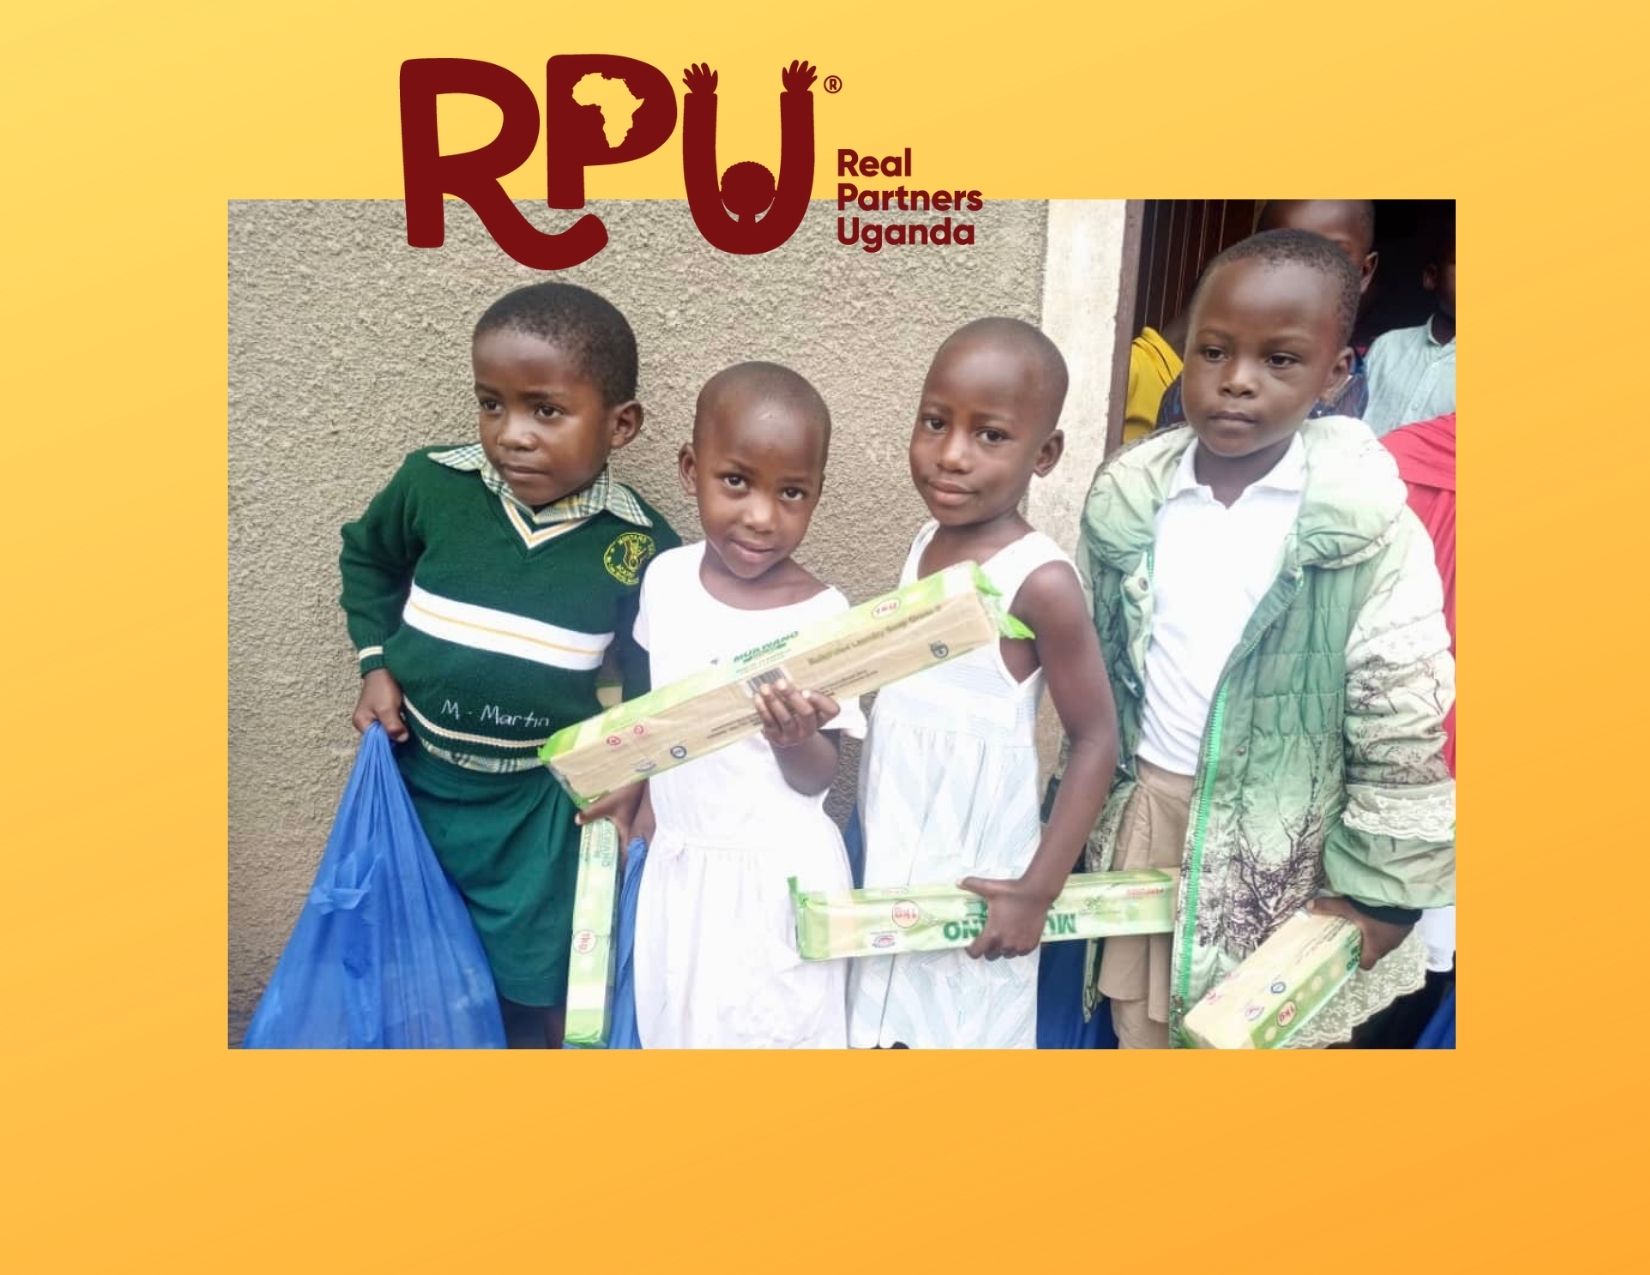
pixel 1051 601
pixel 791 721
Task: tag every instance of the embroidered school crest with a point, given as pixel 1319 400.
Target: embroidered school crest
pixel 626 556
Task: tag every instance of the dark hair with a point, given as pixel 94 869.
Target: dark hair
pixel 588 327
pixel 772 382
pixel 1303 248
pixel 1028 340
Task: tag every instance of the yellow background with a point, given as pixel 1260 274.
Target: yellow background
pixel 134 1139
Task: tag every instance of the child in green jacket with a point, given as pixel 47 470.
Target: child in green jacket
pixel 484 587
pixel 1271 620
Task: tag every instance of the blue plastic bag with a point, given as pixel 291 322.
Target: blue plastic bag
pixel 384 955
pixel 621 1031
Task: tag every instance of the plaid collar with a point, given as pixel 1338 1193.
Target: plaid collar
pixel 604 493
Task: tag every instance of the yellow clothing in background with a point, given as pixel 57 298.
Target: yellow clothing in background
pixel 1153 366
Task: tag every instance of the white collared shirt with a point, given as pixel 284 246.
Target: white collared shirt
pixel 1411 378
pixel 1211 567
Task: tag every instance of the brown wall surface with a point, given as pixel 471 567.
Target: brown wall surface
pixel 347 349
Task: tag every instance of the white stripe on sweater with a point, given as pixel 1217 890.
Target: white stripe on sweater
pixel 486 629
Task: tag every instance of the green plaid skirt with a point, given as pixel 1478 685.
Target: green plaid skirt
pixel 509 843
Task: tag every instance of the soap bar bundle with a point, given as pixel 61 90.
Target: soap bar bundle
pixel 590 963
pixel 889 920
pixel 914 628
pixel 1265 1001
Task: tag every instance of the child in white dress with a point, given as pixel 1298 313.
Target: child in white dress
pixel 715 958
pixel 949 782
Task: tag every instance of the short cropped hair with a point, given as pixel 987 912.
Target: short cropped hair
pixel 769 382
pixel 588 327
pixel 1032 344
pixel 1303 248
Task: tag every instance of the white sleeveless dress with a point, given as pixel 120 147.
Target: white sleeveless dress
pixel 948 789
pixel 715 961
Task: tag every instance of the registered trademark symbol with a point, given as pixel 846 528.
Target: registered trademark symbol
pixel 833 84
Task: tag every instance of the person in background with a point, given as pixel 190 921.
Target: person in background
pixel 1412 370
pixel 1155 360
pixel 1349 224
pixel 1425 453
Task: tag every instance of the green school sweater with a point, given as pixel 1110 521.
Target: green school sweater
pixel 495 628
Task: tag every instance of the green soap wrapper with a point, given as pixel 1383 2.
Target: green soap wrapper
pixel 1267 999
pixel 886 921
pixel 590 962
pixel 926 623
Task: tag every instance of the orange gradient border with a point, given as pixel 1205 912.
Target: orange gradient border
pixel 134 1139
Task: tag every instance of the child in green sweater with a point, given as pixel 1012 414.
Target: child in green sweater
pixel 483 587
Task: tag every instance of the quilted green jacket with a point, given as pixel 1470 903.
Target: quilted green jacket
pixel 1321 767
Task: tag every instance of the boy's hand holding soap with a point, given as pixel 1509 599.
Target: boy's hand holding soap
pixel 1379 937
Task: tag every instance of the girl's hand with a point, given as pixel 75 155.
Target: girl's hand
pixel 1014 917
pixel 380 701
pixel 790 723
pixel 791 717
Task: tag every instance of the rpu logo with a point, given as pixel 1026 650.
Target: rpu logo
pixel 599 108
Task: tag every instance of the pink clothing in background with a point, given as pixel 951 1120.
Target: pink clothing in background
pixel 1425 453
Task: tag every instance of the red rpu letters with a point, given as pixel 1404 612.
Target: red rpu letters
pixel 587 97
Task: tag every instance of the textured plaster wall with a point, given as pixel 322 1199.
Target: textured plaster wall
pixel 347 349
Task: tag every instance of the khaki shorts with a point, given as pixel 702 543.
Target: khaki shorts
pixel 1135 971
